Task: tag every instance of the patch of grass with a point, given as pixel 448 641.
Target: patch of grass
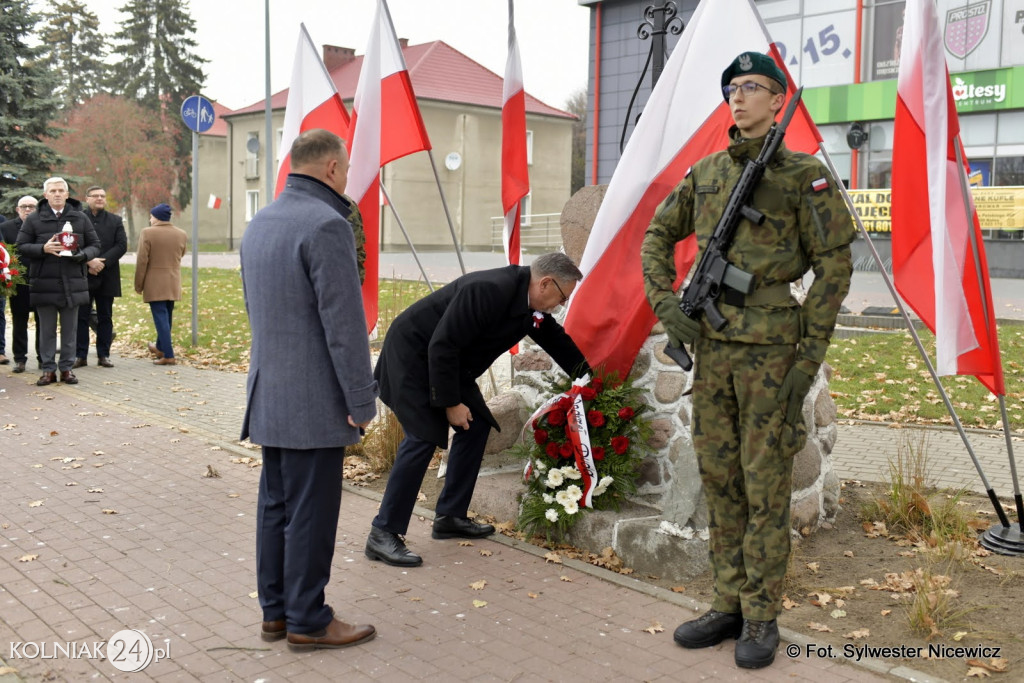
pixel 382 439
pixel 934 608
pixel 882 377
pixel 223 338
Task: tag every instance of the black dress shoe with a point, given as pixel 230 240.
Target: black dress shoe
pixel 757 644
pixel 80 363
pixel 459 527
pixel 104 362
pixel 46 378
pixel 19 367
pixel 709 629
pixel 390 549
pixel 68 377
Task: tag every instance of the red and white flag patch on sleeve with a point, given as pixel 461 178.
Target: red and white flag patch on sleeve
pixel 819 184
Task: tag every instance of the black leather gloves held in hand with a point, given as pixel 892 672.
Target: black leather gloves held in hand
pixel 681 329
pixel 794 390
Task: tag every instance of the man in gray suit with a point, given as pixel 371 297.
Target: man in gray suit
pixel 303 299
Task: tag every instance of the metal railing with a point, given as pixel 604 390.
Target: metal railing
pixel 538 232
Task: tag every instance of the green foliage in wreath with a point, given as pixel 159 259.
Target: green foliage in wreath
pixel 12 273
pixel 619 432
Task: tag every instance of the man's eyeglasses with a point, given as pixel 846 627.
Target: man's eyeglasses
pixel 564 297
pixel 97 196
pixel 27 206
pixel 748 88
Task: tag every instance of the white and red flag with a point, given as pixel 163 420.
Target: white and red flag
pixel 938 257
pixel 313 102
pixel 386 125
pixel 214 202
pixel 685 119
pixel 515 175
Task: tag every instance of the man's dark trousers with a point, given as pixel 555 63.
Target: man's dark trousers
pixel 411 462
pixel 296 528
pixel 104 326
pixel 19 322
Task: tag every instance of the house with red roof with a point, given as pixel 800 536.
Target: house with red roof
pixel 460 102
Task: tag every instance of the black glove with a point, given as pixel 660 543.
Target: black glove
pixel 681 328
pixel 794 390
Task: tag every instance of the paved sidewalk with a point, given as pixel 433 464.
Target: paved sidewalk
pixel 104 485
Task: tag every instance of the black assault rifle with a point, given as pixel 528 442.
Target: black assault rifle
pixel 714 271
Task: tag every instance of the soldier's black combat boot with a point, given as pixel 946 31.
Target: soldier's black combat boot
pixel 709 629
pixel 757 644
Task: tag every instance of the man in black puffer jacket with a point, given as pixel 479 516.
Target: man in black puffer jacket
pixel 58 284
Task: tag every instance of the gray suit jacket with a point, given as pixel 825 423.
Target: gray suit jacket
pixel 309 368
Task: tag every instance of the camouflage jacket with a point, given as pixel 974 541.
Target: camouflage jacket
pixel 355 219
pixel 807 226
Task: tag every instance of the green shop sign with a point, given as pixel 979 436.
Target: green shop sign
pixel 974 91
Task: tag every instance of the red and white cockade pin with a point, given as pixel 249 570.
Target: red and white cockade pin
pixel 538 318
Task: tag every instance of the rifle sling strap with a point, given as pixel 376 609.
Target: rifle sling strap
pixel 773 294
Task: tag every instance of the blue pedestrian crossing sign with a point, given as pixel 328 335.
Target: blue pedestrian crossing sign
pixel 197 113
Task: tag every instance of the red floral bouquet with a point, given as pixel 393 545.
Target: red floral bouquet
pixel 11 272
pixel 588 441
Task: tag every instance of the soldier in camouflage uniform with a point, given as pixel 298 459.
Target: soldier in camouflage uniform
pixel 751 378
pixel 355 219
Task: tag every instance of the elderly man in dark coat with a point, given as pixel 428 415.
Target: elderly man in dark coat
pixel 57 274
pixel 427 371
pixel 104 278
pixel 310 388
pixel 19 302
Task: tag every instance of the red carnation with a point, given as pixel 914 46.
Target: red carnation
pixel 540 436
pixel 565 450
pixel 598 453
pixel 626 413
pixel 564 404
pixel 588 394
pixel 598 384
pixel 595 418
pixel 556 418
pixel 536 422
pixel 552 450
pixel 620 444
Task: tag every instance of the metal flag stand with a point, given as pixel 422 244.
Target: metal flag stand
pixel 1006 541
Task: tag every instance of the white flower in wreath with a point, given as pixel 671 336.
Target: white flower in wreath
pixel 575 492
pixel 548 498
pixel 554 479
pixel 551 514
pixel 571 508
pixel 570 472
pixel 540 466
pixel 563 498
pixel 606 481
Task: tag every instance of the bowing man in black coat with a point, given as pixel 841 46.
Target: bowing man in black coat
pixel 432 355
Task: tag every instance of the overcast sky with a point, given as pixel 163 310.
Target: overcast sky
pixel 553 38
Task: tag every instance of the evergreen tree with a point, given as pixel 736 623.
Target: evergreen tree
pixel 27 108
pixel 159 68
pixel 577 104
pixel 74 49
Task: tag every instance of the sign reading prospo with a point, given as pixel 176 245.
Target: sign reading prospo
pixel 999 208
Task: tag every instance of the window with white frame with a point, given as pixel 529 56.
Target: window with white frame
pixel 252 155
pixel 252 203
pixel 529 147
pixel 525 208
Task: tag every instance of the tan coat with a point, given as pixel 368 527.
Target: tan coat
pixel 158 263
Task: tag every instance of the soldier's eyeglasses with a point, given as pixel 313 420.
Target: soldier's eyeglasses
pixel 564 297
pixel 748 88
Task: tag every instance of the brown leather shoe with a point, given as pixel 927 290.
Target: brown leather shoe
pixel 155 351
pixel 80 363
pixel 4 360
pixel 19 367
pixel 68 377
pixel 104 362
pixel 337 635
pixel 165 361
pixel 46 378
pixel 273 630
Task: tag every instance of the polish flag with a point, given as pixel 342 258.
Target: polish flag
pixel 938 257
pixel 386 125
pixel 313 102
pixel 686 118
pixel 515 175
pixel 214 202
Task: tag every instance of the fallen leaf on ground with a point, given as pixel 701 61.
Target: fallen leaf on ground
pixel 552 557
pixel 813 566
pixel 254 594
pixel 463 544
pixel 789 604
pixel 479 603
pixel 837 613
pixel 959 635
pixel 27 558
pixel 211 473
pixel 5 670
pixel 977 672
pixel 859 633
pixel 565 578
pixel 108 511
pixel 848 553
pixel 886 612
pixel 35 503
pixel 815 626
pixel 678 589
pixel 533 595
pixel 402 590
pixel 654 628
pixel 485 553
pixel 478 585
pixel 94 490
pixel 820 599
pixel 997 664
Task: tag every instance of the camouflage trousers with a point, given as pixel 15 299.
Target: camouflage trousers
pixel 745 453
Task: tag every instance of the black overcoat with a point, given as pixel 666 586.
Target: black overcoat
pixel 59 281
pixel 435 349
pixel 113 245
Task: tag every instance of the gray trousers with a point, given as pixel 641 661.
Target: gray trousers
pixel 48 336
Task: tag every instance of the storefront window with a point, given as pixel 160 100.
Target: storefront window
pixel 879 173
pixel 1008 171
